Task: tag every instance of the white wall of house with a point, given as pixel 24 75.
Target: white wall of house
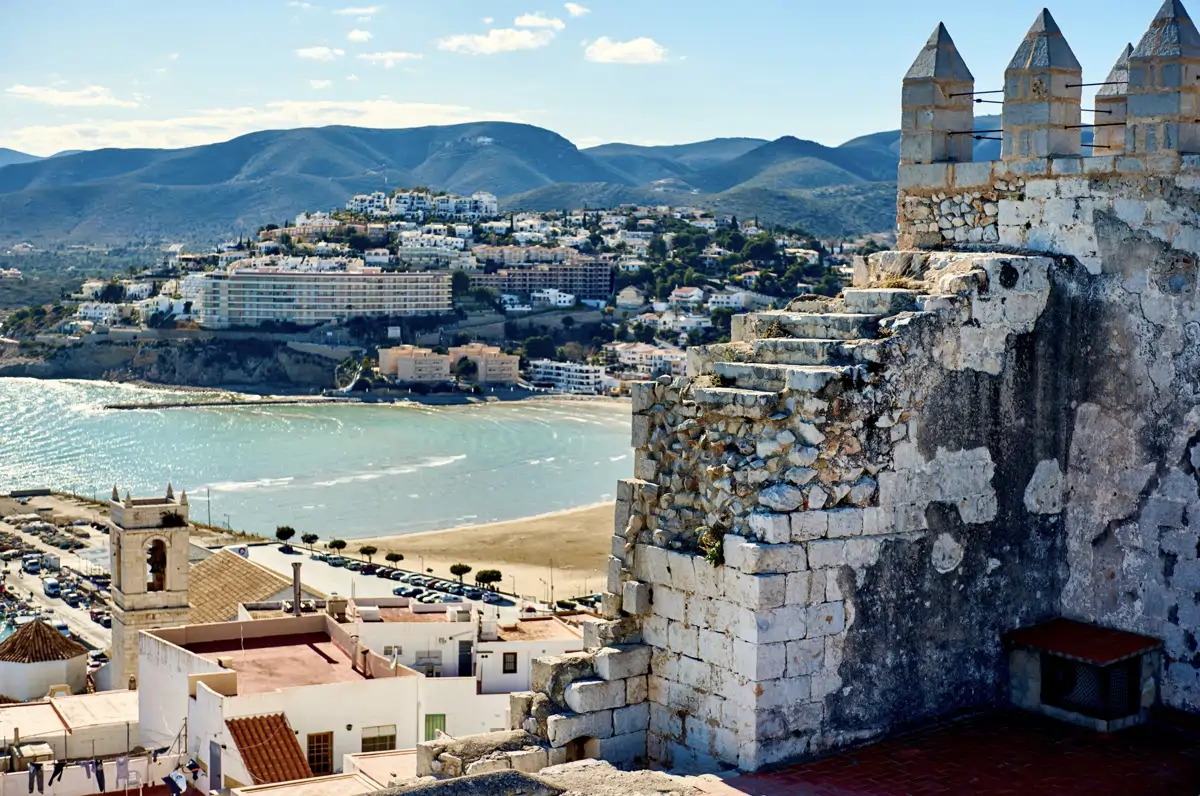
pixel 26 681
pixel 490 656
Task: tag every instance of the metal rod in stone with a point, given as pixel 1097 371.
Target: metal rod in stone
pixel 1081 126
pixel 1098 146
pixel 973 132
pixel 973 93
pixel 986 138
pixel 991 102
pixel 1095 110
pixel 1108 83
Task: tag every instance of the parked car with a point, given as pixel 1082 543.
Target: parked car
pixel 491 598
pixel 368 569
pixel 71 598
pixel 385 573
pixel 354 566
pixel 335 561
pixel 454 588
pixel 473 594
pixel 319 557
pixel 402 591
pixel 452 599
pixel 398 575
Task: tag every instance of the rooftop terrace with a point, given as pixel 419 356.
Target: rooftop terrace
pixel 284 661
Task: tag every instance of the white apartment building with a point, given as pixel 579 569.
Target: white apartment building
pixel 686 297
pixel 682 321
pixel 552 298
pixel 568 377
pixel 376 203
pixel 377 257
pixel 738 300
pixel 708 224
pixel 310 295
pixel 648 360
pixel 411 204
pixel 429 238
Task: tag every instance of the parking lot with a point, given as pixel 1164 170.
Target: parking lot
pixel 351 581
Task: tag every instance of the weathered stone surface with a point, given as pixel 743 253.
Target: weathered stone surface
pixel 588 696
pixel 529 761
pixel 619 663
pixel 562 728
pixel 552 675
pixel 635 597
pixel 781 497
pixel 635 718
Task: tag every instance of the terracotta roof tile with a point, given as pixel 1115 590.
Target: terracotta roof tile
pixel 37 642
pixel 269 749
pixel 218 584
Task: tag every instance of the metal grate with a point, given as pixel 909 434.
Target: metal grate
pixel 1102 692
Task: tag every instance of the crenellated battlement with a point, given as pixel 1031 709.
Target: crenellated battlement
pixel 1048 187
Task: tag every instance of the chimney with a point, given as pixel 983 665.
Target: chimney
pixel 295 588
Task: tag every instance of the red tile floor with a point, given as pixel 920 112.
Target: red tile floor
pixel 993 754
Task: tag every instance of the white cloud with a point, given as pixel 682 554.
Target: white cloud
pixel 389 58
pixel 320 53
pixel 635 51
pixel 362 12
pixel 488 20
pixel 497 40
pixel 320 84
pixel 359 35
pixel 576 10
pixel 539 20
pixel 88 96
pixel 351 78
pixel 299 4
pixel 173 56
pixel 220 124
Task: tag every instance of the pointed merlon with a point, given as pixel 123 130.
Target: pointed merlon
pixel 1118 78
pixel 170 491
pixel 116 495
pixel 1172 34
pixel 1044 47
pixel 939 60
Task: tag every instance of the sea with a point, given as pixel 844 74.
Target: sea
pixel 337 470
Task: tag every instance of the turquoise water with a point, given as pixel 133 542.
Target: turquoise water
pixel 346 470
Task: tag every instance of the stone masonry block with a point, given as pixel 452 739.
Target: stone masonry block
pixel 826 553
pixel 805 657
pixel 755 591
pixel 769 527
pixel 668 603
pixel 710 580
pixel 637 689
pixel 644 465
pixel 799 588
pixel 682 568
pixel 618 663
pixel 787 623
pixel 641 431
pixel 520 705
pixel 566 727
pixel 622 511
pixel 827 619
pixel 487 765
pixel 845 522
pixel 552 675
pixel 529 761
pixel 615 569
pixel 650 565
pixel 635 598
pixel 759 661
pixel 589 696
pixel 756 558
pixel 683 639
pixel 617 547
pixel 610 605
pixel 642 393
pixel 809 525
pixel 654 631
pixel 715 647
pixel 635 718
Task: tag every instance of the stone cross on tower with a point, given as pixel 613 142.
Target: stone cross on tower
pixel 1112 97
pixel 1042 95
pixel 1164 86
pixel 937 104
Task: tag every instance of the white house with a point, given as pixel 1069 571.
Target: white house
pixel 377 257
pixel 737 300
pixel 38 657
pixel 552 297
pixel 630 298
pixel 686 297
pixel 96 312
pixel 682 321
pixel 708 224
pixel 506 650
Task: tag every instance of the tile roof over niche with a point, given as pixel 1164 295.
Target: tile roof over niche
pixel 269 748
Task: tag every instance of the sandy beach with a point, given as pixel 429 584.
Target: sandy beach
pixel 576 542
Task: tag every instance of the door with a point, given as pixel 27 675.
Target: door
pixel 215 780
pixel 320 753
pixel 465 667
pixel 433 723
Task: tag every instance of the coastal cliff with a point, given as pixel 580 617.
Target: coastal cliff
pixel 207 363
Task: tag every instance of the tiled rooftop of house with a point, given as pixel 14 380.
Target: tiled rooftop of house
pixel 218 584
pixel 993 754
pixel 269 748
pixel 37 642
pixel 540 629
pixel 274 662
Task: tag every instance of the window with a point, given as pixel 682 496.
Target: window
pixel 379 739
pixel 156 565
pixel 389 651
pixel 510 663
pixel 320 752
pixel 433 723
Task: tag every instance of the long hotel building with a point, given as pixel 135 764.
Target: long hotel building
pixel 249 296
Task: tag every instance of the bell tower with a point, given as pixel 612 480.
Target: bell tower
pixel 148 559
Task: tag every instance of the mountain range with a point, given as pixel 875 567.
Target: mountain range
pixel 219 190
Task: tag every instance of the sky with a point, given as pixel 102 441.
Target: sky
pixel 88 74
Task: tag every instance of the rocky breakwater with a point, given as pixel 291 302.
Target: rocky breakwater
pixel 214 362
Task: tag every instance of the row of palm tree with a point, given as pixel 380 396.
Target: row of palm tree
pixel 285 533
